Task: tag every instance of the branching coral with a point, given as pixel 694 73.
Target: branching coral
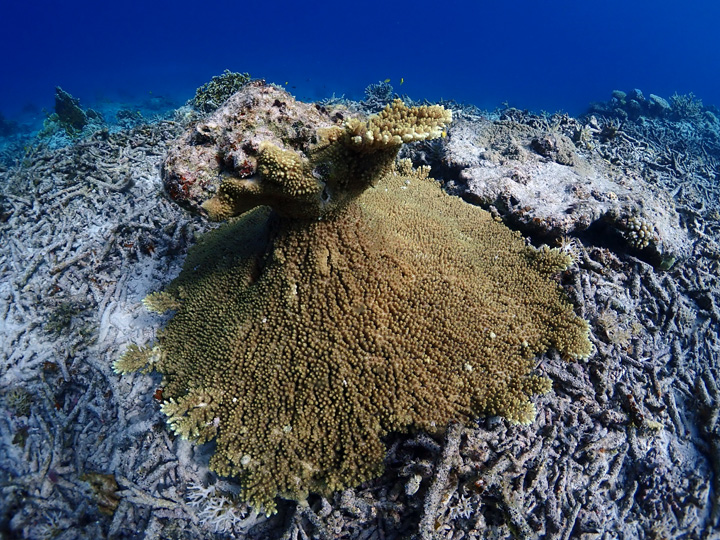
pixel 638 232
pixel 344 163
pixel 219 511
pixel 686 106
pixel 213 93
pixel 348 301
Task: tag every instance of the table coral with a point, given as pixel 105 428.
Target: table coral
pixel 363 300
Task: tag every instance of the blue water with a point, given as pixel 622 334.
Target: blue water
pixel 541 55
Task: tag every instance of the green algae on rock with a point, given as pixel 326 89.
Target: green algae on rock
pixel 349 300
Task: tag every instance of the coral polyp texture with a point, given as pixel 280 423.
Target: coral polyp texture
pixel 351 298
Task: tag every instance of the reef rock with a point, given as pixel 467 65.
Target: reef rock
pixel 226 144
pixel 537 179
pixel 68 110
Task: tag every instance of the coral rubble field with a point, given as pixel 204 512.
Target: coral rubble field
pixel 626 443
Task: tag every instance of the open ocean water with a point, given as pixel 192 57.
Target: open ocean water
pixel 552 55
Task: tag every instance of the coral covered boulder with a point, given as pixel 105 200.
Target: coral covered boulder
pixel 226 144
pixel 351 298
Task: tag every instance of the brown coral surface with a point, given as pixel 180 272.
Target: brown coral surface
pixel 299 342
pixel 299 345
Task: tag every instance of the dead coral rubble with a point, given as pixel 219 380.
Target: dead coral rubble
pixel 79 248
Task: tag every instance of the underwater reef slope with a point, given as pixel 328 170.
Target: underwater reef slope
pixel 625 444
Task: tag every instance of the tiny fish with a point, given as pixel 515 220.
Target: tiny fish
pixel 402 80
pixel 386 80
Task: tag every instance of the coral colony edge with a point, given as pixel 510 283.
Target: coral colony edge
pixel 325 314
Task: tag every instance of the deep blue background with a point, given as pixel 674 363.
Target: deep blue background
pixel 549 54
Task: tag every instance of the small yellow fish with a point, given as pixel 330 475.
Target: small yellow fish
pixel 402 80
pixel 386 80
pixel 444 134
pixel 286 83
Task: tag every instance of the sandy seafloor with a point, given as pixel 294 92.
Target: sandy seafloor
pixel 626 446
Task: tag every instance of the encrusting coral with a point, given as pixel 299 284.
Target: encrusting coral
pixel 350 299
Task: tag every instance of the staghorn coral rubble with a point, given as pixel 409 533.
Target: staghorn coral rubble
pixel 308 330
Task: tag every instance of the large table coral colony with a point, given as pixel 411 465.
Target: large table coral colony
pixel 351 298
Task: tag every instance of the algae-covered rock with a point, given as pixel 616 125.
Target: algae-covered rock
pixel 68 109
pixel 536 178
pixel 226 144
